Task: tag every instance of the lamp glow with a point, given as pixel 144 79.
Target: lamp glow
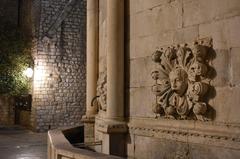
pixel 28 72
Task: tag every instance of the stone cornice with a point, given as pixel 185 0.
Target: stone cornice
pixel 209 133
pixel 88 119
pixel 110 126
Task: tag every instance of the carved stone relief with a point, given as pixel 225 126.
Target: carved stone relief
pixel 102 91
pixel 181 81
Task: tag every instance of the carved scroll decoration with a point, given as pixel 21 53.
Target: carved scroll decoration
pixel 102 91
pixel 181 81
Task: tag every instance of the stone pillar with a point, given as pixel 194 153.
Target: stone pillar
pixel 92 68
pixel 115 59
pixel 113 127
pixel 92 54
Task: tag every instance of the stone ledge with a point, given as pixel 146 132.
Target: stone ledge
pixel 88 119
pixel 207 133
pixel 60 148
pixel 111 126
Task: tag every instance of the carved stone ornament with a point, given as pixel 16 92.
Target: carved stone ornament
pixel 102 91
pixel 181 81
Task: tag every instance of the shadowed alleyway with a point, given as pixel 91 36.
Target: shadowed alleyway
pixel 19 143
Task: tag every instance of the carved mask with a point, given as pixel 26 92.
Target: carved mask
pixel 199 52
pixel 179 81
pixel 197 70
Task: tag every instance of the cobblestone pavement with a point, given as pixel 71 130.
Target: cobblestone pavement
pixel 19 143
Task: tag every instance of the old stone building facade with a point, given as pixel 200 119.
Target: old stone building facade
pixel 59 63
pixel 162 76
pixel 58 33
pixel 180 95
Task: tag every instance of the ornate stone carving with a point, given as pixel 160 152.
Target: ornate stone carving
pixel 212 137
pixel 102 91
pixel 181 81
pixel 189 131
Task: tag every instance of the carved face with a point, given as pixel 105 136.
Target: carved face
pixel 199 52
pixel 197 69
pixel 179 81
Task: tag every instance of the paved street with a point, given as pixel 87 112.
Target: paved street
pixel 19 143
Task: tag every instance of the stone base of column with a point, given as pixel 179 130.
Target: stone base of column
pixel 113 136
pixel 89 122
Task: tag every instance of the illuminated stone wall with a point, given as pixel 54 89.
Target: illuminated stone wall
pixel 59 30
pixel 160 24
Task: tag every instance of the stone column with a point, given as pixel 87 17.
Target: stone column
pixel 115 59
pixel 113 126
pixel 92 54
pixel 92 68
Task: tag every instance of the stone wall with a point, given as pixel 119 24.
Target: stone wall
pixel 161 23
pixel 59 29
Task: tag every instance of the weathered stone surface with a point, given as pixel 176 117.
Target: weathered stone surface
pixel 151 21
pixel 224 32
pixel 235 65
pixel 130 146
pixel 186 35
pixel 222 67
pixel 191 15
pixel 140 102
pixel 153 24
pixel 164 39
pixel 172 149
pixel 103 61
pixel 102 28
pixel 131 27
pixel 141 5
pixel 142 46
pixel 226 103
pixel 59 80
pixel 201 11
pixel 146 21
pixel 167 17
pixel 218 31
pixel 169 149
pixel 139 70
pixel 233 26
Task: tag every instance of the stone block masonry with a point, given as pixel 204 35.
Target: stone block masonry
pixel 157 24
pixel 59 63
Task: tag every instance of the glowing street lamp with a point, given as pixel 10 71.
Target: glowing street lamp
pixel 28 72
